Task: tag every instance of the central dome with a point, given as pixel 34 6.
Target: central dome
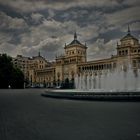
pixel 75 42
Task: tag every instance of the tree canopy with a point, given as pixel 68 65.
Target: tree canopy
pixel 9 75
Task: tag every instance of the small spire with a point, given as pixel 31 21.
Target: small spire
pixel 85 44
pixel 75 36
pixel 128 29
pixel 39 53
pixel 55 55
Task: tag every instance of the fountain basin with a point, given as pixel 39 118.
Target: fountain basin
pixel 101 95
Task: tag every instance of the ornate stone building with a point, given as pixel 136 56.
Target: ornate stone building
pixel 128 54
pixel 74 62
pixel 67 65
pixel 33 67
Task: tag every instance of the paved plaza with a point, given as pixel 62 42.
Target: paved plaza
pixel 25 115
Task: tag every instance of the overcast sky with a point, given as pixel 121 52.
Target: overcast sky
pixel 30 26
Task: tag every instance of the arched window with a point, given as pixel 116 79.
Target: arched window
pixel 119 52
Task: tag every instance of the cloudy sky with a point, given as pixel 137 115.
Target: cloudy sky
pixel 30 26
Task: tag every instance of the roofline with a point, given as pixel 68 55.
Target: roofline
pixel 98 61
pixel 80 45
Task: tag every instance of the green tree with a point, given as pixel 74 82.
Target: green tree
pixel 9 75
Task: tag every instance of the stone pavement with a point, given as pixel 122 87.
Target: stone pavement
pixel 25 115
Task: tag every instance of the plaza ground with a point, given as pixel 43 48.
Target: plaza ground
pixel 26 115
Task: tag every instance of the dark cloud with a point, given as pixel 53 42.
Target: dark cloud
pixel 29 26
pixel 8 10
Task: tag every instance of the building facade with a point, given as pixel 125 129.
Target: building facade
pixel 74 62
pixel 66 66
pixel 33 67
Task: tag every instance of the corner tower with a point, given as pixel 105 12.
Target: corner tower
pixel 128 51
pixel 127 44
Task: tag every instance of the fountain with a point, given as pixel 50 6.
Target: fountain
pixel 110 85
pixel 117 80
